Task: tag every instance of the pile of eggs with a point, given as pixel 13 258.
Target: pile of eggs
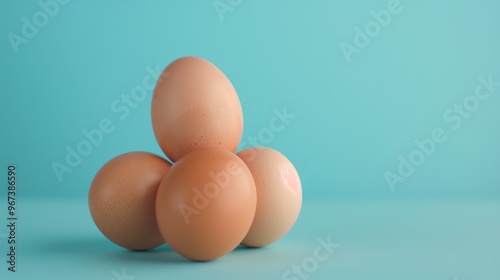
pixel 210 200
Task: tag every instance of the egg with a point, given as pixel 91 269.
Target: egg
pixel 122 199
pixel 194 106
pixel 279 195
pixel 206 204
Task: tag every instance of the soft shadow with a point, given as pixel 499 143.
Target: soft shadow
pixel 162 254
pixel 102 248
pixel 76 245
pixel 243 248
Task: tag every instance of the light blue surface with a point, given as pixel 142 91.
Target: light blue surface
pixel 409 240
pixel 354 115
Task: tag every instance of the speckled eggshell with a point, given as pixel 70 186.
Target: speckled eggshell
pixel 122 199
pixel 206 204
pixel 279 195
pixel 194 106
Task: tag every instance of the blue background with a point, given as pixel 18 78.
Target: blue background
pixel 352 121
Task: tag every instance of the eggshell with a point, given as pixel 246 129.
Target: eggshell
pixel 206 204
pixel 279 195
pixel 122 199
pixel 195 106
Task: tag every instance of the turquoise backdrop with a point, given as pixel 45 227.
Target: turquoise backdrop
pixel 381 100
pixel 352 120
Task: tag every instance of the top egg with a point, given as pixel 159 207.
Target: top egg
pixel 195 106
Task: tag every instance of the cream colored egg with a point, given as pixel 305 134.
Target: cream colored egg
pixel 279 195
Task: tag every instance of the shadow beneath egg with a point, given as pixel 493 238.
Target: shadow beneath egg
pixel 103 249
pixel 74 246
pixel 162 254
pixel 165 254
pixel 100 249
pixel 243 247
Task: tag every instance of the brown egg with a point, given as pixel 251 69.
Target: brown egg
pixel 122 199
pixel 195 106
pixel 279 195
pixel 206 204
